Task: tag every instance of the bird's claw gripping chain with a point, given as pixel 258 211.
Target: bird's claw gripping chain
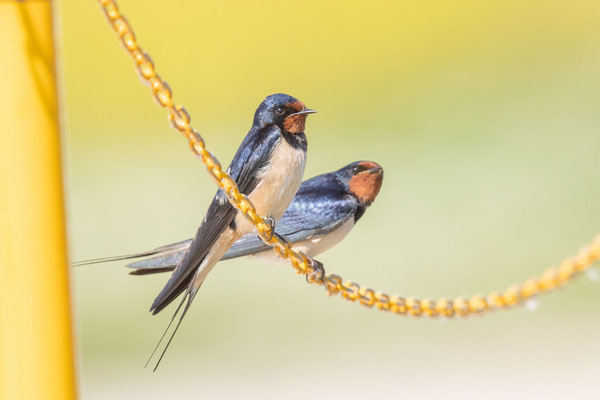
pixel 317 274
pixel 271 223
pixel 180 121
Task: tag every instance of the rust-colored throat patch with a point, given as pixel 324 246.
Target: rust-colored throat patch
pixel 295 123
pixel 366 185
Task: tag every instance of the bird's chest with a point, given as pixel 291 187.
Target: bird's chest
pixel 279 180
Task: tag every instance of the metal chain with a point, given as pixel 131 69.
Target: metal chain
pixel 314 271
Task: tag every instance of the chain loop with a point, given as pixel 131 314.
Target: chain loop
pixel 180 120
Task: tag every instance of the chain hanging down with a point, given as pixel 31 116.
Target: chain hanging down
pixel 180 121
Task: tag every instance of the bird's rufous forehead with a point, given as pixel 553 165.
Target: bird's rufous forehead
pixel 297 105
pixel 369 164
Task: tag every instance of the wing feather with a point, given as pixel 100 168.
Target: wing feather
pixel 304 219
pixel 252 155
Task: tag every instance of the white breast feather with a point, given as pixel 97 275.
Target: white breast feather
pixel 279 182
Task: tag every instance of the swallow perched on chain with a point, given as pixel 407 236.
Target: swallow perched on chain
pixel 323 212
pixel 268 168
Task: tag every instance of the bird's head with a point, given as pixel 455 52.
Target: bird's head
pixel 282 110
pixel 364 179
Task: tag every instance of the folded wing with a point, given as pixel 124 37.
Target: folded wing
pixel 309 216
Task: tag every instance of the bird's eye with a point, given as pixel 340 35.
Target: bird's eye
pixel 355 169
pixel 279 110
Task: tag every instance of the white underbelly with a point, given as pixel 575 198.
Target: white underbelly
pixel 279 182
pixel 311 247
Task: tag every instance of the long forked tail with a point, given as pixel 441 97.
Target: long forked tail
pixel 115 258
pixel 189 296
pixel 170 249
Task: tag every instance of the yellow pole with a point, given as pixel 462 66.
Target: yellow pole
pixel 36 346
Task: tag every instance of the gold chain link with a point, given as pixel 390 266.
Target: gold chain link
pixel 180 121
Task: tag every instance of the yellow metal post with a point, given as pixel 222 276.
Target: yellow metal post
pixel 36 346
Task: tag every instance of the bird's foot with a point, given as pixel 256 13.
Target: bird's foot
pixel 271 222
pixel 317 274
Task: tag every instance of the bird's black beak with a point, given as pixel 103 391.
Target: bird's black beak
pixel 305 111
pixel 376 170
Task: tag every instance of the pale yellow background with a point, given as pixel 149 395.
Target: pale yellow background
pixel 485 116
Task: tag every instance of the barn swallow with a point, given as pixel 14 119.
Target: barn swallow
pixel 322 213
pixel 268 168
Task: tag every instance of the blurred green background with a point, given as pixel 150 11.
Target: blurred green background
pixel 485 118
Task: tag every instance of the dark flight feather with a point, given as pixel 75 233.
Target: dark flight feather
pixel 304 219
pixel 252 155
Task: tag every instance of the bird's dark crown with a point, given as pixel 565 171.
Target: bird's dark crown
pixel 363 180
pixel 282 110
